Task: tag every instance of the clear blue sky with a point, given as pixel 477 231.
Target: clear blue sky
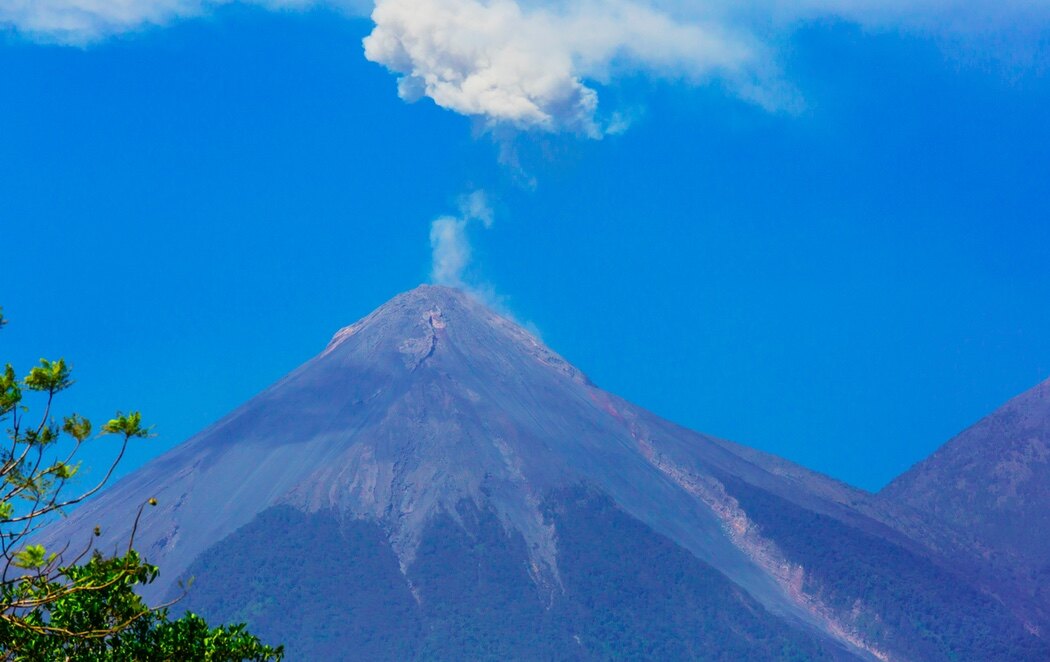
pixel 190 211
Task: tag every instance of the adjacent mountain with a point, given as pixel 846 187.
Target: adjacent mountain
pixel 991 484
pixel 438 485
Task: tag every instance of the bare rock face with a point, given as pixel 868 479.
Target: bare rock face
pixel 436 464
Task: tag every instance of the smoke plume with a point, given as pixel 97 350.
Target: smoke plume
pixel 450 244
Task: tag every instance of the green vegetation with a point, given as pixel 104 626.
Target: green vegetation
pixel 478 599
pixel 912 606
pixel 623 592
pixel 80 607
pixel 643 597
pixel 348 598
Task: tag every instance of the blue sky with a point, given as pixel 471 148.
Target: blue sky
pixel 845 267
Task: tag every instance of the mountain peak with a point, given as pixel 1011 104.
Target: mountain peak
pixel 433 319
pixel 426 295
pixel 992 480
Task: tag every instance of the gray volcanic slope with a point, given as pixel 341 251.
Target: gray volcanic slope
pixel 457 490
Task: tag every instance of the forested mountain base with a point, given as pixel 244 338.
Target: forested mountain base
pixel 621 591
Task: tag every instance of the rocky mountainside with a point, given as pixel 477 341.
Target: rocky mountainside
pixel 437 484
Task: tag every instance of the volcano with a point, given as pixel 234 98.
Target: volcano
pixel 437 484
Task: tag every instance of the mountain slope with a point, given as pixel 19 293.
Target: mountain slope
pixel 476 496
pixel 991 484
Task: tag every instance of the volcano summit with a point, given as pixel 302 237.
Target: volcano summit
pixel 437 484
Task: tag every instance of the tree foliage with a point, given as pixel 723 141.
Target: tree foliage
pixel 79 604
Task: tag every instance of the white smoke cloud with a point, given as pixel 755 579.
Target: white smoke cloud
pixel 536 64
pixel 449 243
pixel 525 67
pixel 532 64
